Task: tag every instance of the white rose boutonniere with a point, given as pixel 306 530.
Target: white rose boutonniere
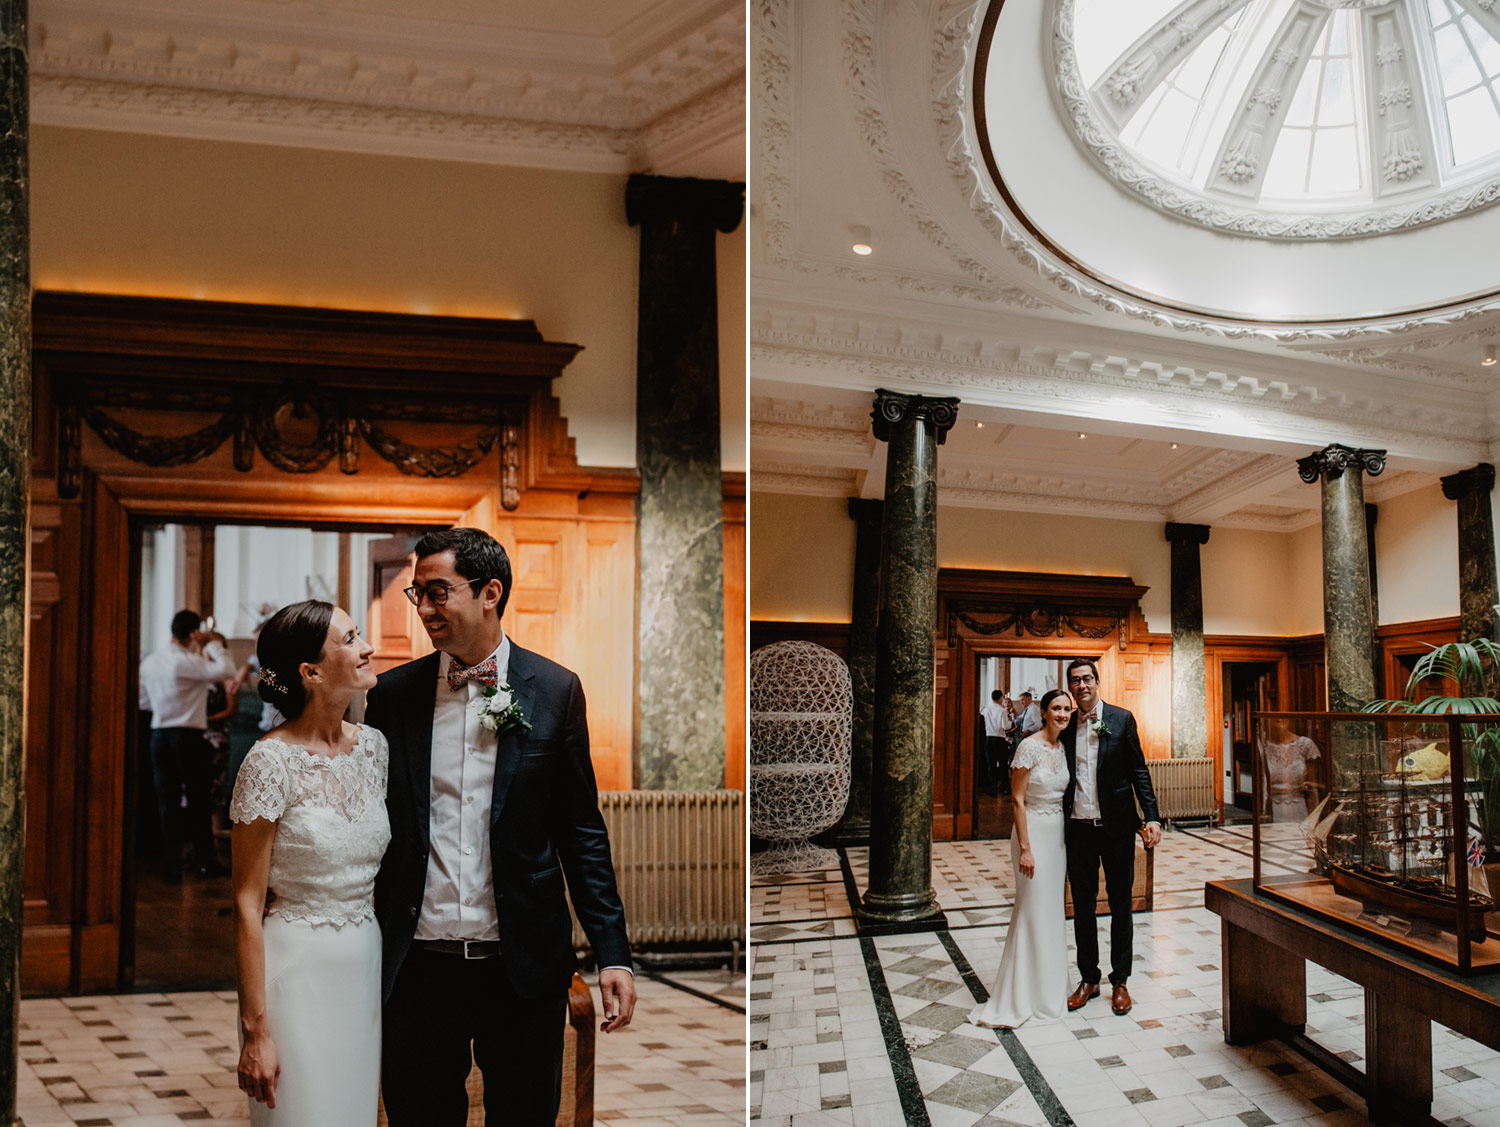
pixel 499 711
pixel 1100 727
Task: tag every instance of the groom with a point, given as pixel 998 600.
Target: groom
pixel 492 803
pixel 1107 773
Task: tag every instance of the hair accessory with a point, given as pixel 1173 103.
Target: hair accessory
pixel 268 677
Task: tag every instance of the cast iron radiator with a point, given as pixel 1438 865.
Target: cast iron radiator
pixel 1184 788
pixel 680 863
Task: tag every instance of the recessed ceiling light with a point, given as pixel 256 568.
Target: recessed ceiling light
pixel 861 240
pixel 1489 355
pixel 1174 446
pixel 979 425
pixel 1082 435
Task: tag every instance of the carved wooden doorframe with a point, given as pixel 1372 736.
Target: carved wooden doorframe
pixel 155 410
pixel 1020 613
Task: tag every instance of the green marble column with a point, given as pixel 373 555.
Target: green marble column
pixel 1348 620
pixel 900 892
pixel 854 829
pixel 1478 590
pixel 680 512
pixel 15 517
pixel 1372 515
pixel 1189 681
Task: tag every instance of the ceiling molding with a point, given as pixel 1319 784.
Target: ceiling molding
pixel 296 75
pixel 1095 386
pixel 774 109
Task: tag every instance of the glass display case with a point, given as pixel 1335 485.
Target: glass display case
pixel 1389 824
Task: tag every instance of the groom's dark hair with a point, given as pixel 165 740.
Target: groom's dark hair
pixel 184 622
pixel 476 555
pixel 1079 662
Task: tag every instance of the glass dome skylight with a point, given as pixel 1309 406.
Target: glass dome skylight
pixel 1289 118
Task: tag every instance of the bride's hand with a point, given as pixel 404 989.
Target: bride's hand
pixel 1028 864
pixel 259 1069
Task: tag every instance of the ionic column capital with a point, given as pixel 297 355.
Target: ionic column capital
pixel 1330 463
pixel 938 412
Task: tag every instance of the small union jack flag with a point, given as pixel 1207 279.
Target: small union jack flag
pixel 1476 853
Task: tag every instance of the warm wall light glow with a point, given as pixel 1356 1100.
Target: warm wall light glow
pixel 980 426
pixel 1489 355
pixel 1082 435
pixel 861 240
pixel 1174 446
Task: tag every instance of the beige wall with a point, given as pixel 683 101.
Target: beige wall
pixel 1416 556
pixel 168 217
pixel 801 558
pixel 1256 583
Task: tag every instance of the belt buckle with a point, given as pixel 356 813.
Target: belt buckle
pixel 466 943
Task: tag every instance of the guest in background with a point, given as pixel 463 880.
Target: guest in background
pixel 1030 721
pixel 175 681
pixel 996 756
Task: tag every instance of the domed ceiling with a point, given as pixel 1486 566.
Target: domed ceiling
pixel 1289 118
pixel 1261 162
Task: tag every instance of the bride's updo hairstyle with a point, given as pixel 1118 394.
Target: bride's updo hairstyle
pixel 293 635
pixel 1048 697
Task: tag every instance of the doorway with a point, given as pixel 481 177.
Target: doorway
pixel 1011 675
pixel 1250 687
pixel 177 913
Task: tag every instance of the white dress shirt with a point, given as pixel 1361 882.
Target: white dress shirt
pixel 175 681
pixel 1086 765
pixel 1031 719
pixel 996 723
pixel 459 899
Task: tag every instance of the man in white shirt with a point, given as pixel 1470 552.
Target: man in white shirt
pixel 995 761
pixel 174 683
pixel 492 801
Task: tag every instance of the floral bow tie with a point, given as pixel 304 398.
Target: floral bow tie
pixel 485 673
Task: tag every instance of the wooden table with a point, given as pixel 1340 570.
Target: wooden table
pixel 1265 947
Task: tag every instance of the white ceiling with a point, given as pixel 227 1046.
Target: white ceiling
pixel 857 117
pixel 584 85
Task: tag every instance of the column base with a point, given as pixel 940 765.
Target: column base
pixel 892 914
pixel 933 920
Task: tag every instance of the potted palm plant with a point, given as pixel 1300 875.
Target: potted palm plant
pixel 1472 667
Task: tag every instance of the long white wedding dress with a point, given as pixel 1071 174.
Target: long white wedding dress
pixel 1032 983
pixel 321 939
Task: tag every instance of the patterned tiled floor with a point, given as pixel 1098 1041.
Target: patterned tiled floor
pixel 819 1054
pixel 162 1060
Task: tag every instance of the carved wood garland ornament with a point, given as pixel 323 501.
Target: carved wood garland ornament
pixel 1039 619
pixel 254 425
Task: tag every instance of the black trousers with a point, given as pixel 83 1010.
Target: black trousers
pixel 1088 845
pixel 180 761
pixel 439 1005
pixel 997 762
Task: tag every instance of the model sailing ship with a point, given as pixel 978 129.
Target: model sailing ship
pixel 1396 843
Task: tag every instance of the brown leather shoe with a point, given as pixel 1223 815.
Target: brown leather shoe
pixel 1119 1000
pixel 1085 991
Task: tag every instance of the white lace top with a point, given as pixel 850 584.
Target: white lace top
pixel 1049 775
pixel 331 824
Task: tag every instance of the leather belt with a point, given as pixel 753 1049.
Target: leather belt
pixel 468 948
pixel 1089 821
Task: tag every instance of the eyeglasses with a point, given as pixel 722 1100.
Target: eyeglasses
pixel 437 593
pixel 1082 679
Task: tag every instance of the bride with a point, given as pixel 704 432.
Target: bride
pixel 310 826
pixel 1032 983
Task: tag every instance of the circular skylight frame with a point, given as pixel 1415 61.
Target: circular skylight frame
pixel 1149 183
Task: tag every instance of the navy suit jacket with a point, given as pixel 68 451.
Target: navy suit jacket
pixel 1120 775
pixel 544 824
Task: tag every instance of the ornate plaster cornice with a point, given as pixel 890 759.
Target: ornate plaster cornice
pixel 227 70
pixel 1276 408
pixel 952 61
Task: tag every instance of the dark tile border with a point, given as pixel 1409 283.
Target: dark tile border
pixel 1036 1083
pixel 913 1105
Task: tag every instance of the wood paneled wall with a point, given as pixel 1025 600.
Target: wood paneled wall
pixel 570 534
pixel 1137 676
